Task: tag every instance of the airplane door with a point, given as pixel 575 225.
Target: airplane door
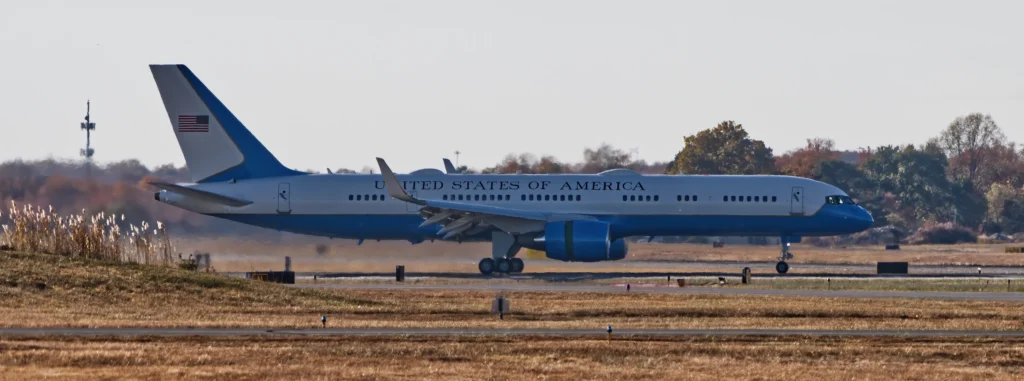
pixel 284 198
pixel 796 201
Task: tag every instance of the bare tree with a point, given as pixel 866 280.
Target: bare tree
pixel 967 141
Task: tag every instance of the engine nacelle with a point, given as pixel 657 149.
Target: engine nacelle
pixel 618 249
pixel 581 241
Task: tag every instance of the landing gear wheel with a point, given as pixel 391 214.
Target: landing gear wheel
pixel 782 267
pixel 486 266
pixel 504 265
pixel 517 265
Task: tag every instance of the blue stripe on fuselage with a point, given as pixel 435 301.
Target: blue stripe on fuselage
pixel 830 220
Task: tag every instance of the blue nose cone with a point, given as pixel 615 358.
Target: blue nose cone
pixel 862 219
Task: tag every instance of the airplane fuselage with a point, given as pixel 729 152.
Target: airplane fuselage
pixel 358 206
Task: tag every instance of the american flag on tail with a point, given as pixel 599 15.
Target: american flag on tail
pixel 193 123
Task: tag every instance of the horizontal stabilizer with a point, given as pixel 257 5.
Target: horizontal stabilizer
pixel 202 195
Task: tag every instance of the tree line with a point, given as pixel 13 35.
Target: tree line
pixel 969 175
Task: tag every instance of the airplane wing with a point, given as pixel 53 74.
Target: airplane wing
pixel 202 195
pixel 459 217
pixel 448 167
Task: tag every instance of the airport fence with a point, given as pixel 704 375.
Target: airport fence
pixel 100 236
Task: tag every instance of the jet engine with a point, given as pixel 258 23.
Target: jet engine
pixel 582 241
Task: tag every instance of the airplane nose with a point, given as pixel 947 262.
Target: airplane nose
pixel 863 218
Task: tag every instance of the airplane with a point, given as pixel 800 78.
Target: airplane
pixel 570 217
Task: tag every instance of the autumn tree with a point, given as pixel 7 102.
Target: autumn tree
pixel 803 162
pixel 968 142
pixel 725 149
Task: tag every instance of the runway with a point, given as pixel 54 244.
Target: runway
pixel 228 332
pixel 498 287
pixel 677 269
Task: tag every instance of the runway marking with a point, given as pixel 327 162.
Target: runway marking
pixel 597 332
pixel 939 295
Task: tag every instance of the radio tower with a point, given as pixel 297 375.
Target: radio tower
pixel 88 126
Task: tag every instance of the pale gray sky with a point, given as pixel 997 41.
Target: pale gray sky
pixel 336 83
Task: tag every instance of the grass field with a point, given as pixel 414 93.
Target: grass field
pixel 44 290
pixel 40 290
pixel 514 358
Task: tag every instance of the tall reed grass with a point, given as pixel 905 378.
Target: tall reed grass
pixel 37 230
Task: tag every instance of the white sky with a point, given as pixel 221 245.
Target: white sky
pixel 337 83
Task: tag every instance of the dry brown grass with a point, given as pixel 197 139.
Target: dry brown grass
pixel 41 290
pixel 513 358
pixel 42 230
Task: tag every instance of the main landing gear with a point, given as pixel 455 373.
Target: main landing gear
pixel 512 265
pixel 782 267
pixel 503 256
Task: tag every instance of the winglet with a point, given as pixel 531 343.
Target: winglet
pixel 448 167
pixel 393 186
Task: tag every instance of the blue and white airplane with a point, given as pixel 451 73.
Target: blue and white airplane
pixel 573 217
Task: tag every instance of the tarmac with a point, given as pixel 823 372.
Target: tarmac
pixel 505 287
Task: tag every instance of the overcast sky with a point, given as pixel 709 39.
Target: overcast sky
pixel 337 83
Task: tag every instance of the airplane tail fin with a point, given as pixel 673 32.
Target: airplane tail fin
pixel 217 147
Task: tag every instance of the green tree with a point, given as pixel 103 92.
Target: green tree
pixel 916 178
pixel 725 149
pixel 1005 208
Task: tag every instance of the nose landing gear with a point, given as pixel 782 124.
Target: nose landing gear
pixel 782 267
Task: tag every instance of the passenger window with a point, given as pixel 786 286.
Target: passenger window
pixel 655 197
pixel 687 197
pixel 492 197
pixel 733 198
pixel 508 197
pixel 350 197
pixel 648 198
pixel 625 198
pixel 382 198
pixel 366 197
pixel 679 198
pixel 773 198
pixel 522 198
pixel 764 198
pixel 359 197
pixel 632 198
pixel 725 198
pixel 757 199
pixel 562 197
pixel 748 198
pixel 578 197
pixel 547 197
pixel 531 197
pixel 694 198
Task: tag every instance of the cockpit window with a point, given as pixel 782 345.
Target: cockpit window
pixel 839 200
